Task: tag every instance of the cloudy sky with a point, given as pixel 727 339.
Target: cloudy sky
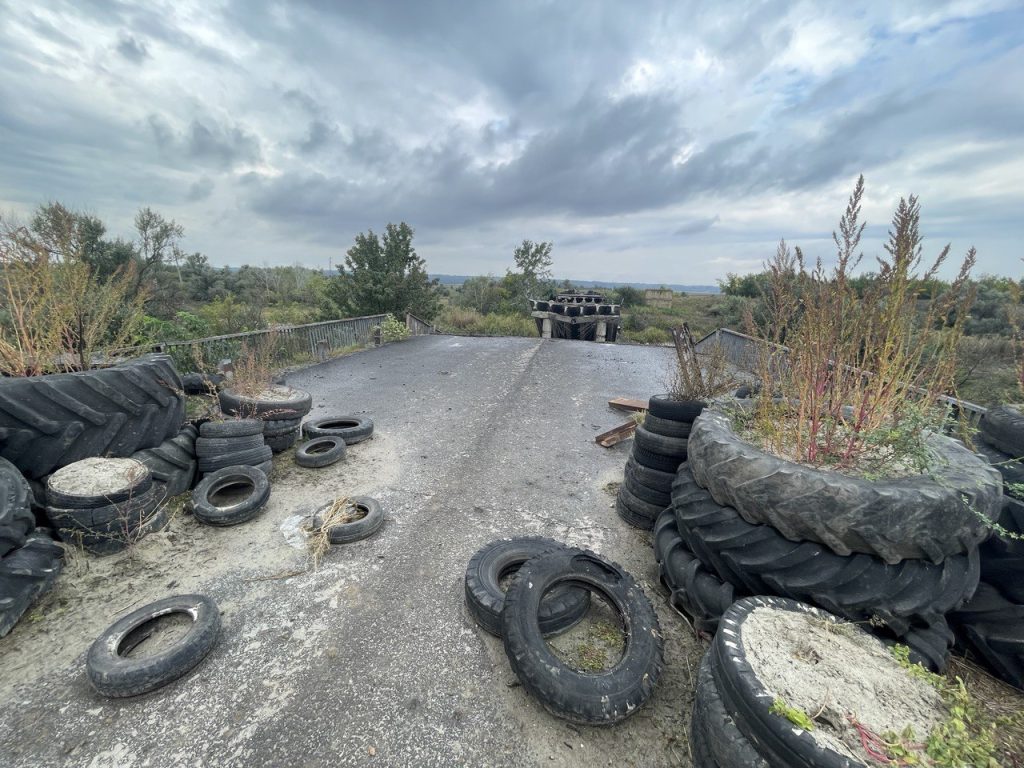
pixel 665 142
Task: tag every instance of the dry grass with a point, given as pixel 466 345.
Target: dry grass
pixel 996 701
pixel 341 511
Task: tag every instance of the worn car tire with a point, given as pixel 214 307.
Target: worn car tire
pixel 230 428
pixel 212 447
pixel 684 411
pixel 277 427
pixel 280 443
pixel 320 452
pixel 352 429
pixel 666 427
pixel 1002 557
pixel 675 447
pixel 49 421
pixel 921 517
pixel 652 478
pixel 992 627
pixel 365 526
pixel 26 573
pixel 655 461
pixel 1007 466
pixel 634 511
pixel 293 404
pixel 760 561
pixel 173 462
pixel 206 511
pixel 136 485
pixel 714 727
pixel 250 457
pixel 601 698
pixel 1003 428
pixel 16 517
pixel 644 493
pixel 114 675
pixel 201 383
pixel 485 599
pixel 693 589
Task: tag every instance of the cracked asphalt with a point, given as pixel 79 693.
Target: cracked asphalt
pixel 371 660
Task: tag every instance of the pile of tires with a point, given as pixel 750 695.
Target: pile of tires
pixel 237 442
pixel 279 408
pixel 351 429
pixel 48 422
pixel 659 447
pixel 898 555
pixel 29 560
pixel 104 505
pixel 173 463
pixel 550 593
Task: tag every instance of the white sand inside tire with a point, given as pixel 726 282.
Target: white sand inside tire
pixel 97 477
pixel 280 393
pixel 830 671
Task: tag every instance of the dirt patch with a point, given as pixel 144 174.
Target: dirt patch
pixel 833 672
pixel 280 394
pixel 97 477
pixel 596 643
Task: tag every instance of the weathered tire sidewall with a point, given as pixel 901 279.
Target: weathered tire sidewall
pixel 486 600
pixel 16 517
pixel 685 411
pixel 335 452
pixel 590 699
pixel 363 527
pixel 1003 428
pixel 206 512
pixel 914 517
pixel 360 429
pixel 235 404
pixel 714 727
pixel 116 676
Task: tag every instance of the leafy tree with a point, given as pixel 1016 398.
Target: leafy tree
pixel 158 240
pixel 630 296
pixel 532 277
pixel 751 285
pixel 384 274
pixel 483 294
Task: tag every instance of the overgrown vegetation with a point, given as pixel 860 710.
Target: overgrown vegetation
pixel 845 371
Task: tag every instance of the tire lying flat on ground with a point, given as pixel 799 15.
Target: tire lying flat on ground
pixel 112 673
pixel 277 402
pixel 684 411
pixel 635 511
pixel 97 482
pixel 653 496
pixel 250 457
pixel 561 609
pixel 367 525
pixel 26 574
pixel 231 428
pixel 601 698
pixel 919 517
pixel 111 528
pixel 352 429
pixel 674 447
pixel 252 484
pixel 666 427
pixel 320 452
pixel 49 421
pixel 655 461
pixel 16 517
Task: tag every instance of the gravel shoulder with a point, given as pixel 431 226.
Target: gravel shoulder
pixel 371 659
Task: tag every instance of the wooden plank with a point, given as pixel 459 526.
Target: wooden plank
pixel 628 404
pixel 617 435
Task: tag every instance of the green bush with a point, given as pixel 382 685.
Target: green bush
pixel 650 335
pixel 393 329
pixel 471 323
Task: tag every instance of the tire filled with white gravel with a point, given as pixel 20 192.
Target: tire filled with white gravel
pixel 97 482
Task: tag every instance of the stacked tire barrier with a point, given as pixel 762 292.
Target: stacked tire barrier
pixel 550 593
pixel 231 443
pixel 280 409
pixel 744 523
pixel 104 505
pixel 991 625
pixel 659 447
pixel 173 462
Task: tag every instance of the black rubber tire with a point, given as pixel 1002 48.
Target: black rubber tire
pixel 655 461
pixel 666 427
pixel 714 728
pixel 1003 428
pixel 250 457
pixel 652 478
pixel 230 428
pixel 992 628
pixel 106 529
pixel 320 452
pixel 137 485
pixel 116 676
pixel 49 421
pixel 201 383
pixel 207 512
pixel 280 443
pixel 693 589
pixel 664 407
pixel 173 462
pixel 212 447
pixel 27 573
pixel 760 561
pixel 1007 466
pixel 266 467
pixel 642 492
pixel 1002 558
pixel 921 517
pixel 16 517
pixel 700 751
pixel 277 427
pixel 352 429
pixel 634 511
pixel 240 405
pixel 675 447
pixel 365 526
pixel 561 609
pixel 601 698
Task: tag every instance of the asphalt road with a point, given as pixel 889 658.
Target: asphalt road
pixel 371 659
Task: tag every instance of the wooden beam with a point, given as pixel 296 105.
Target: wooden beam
pixel 617 435
pixel 628 404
